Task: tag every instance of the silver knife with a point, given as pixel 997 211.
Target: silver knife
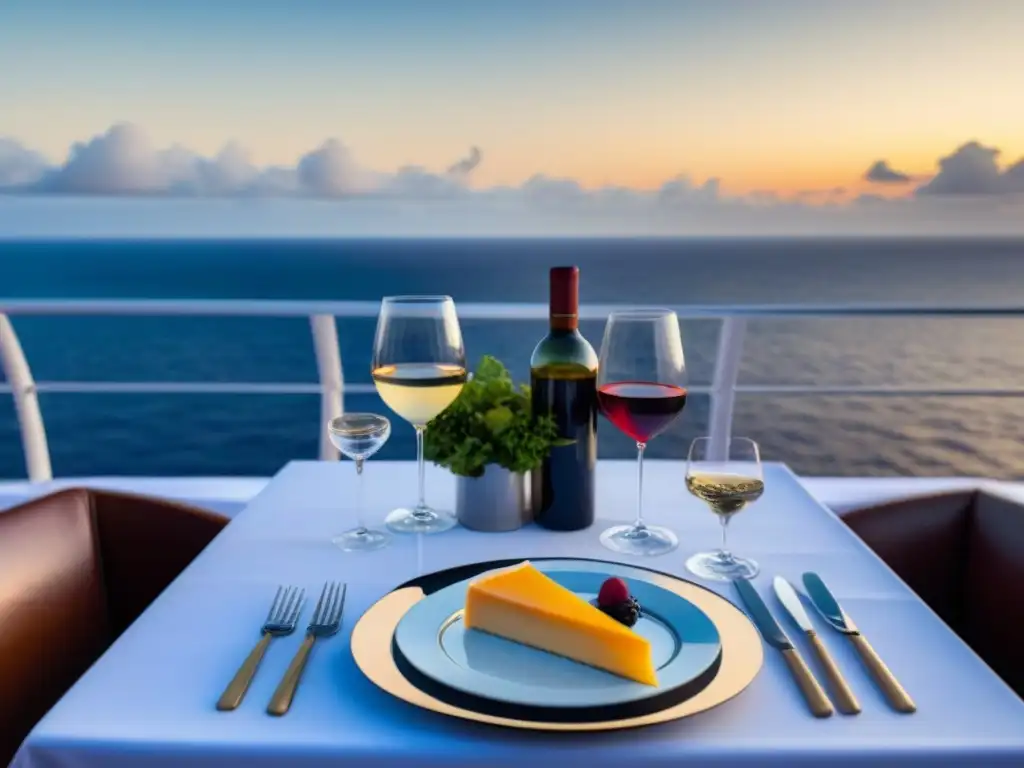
pixel 846 702
pixel 831 611
pixel 774 635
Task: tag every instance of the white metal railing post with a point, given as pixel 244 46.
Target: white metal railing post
pixel 723 386
pixel 26 404
pixel 332 378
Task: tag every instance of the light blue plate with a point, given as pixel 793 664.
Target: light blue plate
pixel 434 640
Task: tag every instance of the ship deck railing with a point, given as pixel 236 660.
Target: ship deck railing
pixel 332 387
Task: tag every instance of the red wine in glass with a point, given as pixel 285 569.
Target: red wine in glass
pixel 641 409
pixel 641 389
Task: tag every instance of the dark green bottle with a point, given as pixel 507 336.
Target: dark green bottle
pixel 563 378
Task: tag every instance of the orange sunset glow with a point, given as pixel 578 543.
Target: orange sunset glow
pixel 796 101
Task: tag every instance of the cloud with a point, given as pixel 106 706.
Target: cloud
pixel 230 171
pixel 824 195
pixel 123 162
pixel 1013 178
pixel 870 199
pixel 682 189
pixel 544 190
pixel 414 182
pixel 327 191
pixel 973 170
pixel 119 162
pixel 19 165
pixel 329 171
pixel 882 173
pixel 466 165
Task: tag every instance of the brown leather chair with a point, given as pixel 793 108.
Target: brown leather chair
pixel 76 568
pixel 963 554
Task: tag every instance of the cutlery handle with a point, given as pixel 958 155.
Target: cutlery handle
pixel 239 684
pixel 809 687
pixel 281 701
pixel 846 702
pixel 898 698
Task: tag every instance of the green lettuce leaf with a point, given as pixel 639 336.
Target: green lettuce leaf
pixel 491 422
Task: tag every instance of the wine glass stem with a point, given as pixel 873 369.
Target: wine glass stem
pixel 360 523
pixel 421 505
pixel 723 553
pixel 639 523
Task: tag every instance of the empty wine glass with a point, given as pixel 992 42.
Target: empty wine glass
pixel 419 367
pixel 359 436
pixel 641 384
pixel 727 477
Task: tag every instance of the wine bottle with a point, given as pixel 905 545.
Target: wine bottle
pixel 563 379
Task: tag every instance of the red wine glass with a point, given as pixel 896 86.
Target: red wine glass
pixel 641 389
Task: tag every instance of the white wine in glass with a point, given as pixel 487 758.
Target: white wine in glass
pixel 419 368
pixel 419 391
pixel 728 478
pixel 725 494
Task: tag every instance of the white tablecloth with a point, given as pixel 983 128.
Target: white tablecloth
pixel 149 701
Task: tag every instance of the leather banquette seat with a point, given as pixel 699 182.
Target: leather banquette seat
pixel 963 554
pixel 76 569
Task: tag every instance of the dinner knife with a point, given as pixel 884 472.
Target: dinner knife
pixel 827 605
pixel 846 702
pixel 774 635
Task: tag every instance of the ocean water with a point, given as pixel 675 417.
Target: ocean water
pixel 92 434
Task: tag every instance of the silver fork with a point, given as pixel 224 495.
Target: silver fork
pixel 281 620
pixel 325 622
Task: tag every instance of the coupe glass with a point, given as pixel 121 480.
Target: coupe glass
pixel 727 477
pixel 419 367
pixel 359 436
pixel 641 384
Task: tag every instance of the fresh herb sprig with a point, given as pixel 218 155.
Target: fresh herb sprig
pixel 491 422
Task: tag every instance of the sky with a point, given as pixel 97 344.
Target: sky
pixel 627 105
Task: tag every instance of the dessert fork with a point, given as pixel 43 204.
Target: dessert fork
pixel 281 620
pixel 325 622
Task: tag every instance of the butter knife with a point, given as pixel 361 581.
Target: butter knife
pixel 776 637
pixel 846 702
pixel 830 610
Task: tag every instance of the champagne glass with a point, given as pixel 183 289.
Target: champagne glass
pixel 419 367
pixel 359 436
pixel 641 383
pixel 727 477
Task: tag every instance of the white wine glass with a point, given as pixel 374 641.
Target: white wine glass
pixel 726 476
pixel 419 368
pixel 641 389
pixel 358 436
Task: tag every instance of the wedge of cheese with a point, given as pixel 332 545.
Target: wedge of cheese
pixel 523 605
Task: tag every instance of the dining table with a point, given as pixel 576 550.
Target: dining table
pixel 150 700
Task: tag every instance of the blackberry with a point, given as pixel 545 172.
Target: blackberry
pixel 627 612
